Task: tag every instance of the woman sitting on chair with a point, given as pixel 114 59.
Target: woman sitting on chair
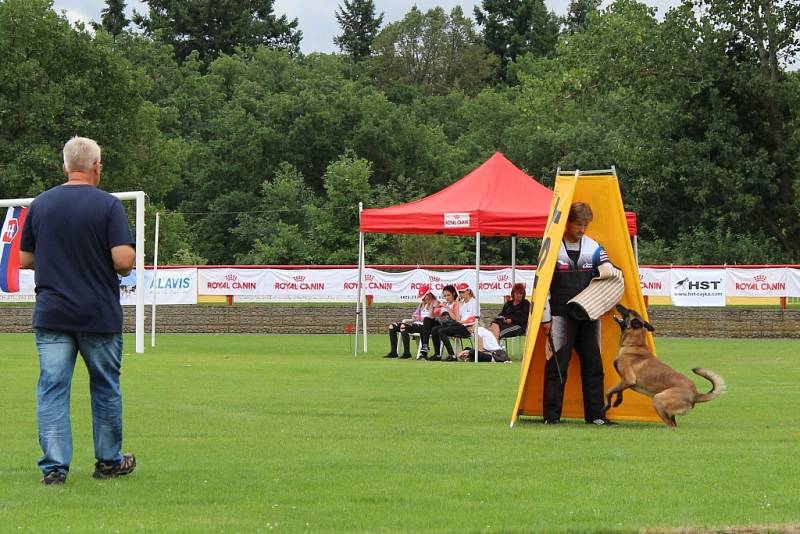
pixel 513 319
pixel 466 307
pixel 442 313
pixel 416 325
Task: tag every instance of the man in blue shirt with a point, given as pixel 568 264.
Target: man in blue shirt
pixel 77 239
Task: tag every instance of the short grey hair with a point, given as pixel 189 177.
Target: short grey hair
pixel 80 154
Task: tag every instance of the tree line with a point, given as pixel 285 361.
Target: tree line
pixel 254 152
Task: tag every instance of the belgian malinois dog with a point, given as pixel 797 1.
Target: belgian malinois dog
pixel 672 393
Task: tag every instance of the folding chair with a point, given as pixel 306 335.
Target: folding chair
pixel 509 343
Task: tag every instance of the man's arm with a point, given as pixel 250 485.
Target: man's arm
pixel 26 259
pixel 124 258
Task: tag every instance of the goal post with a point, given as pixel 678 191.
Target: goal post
pixel 139 198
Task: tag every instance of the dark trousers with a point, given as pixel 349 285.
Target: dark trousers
pixel 443 333
pixel 583 337
pixel 488 356
pixel 406 329
pixel 428 324
pixel 394 328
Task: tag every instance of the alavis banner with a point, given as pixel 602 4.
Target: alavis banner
pixel 175 286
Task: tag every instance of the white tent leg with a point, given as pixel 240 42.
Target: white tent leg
pixel 513 260
pixel 477 292
pixel 362 302
pixel 360 279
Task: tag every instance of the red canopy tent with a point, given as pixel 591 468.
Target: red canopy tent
pixel 496 199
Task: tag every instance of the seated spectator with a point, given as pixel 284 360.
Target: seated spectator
pixel 427 307
pixel 513 318
pixel 442 315
pixel 466 307
pixel 489 350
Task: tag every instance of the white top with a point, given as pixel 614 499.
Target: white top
pixel 465 309
pixel 488 341
pixel 423 311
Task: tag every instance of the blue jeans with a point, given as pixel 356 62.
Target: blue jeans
pixel 58 352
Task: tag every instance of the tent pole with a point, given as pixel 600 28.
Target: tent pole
pixel 513 260
pixel 360 271
pixel 363 305
pixel 477 292
pixel 636 249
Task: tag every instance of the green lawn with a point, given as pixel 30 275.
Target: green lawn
pixel 290 433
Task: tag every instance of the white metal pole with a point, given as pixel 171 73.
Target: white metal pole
pixel 513 260
pixel 477 292
pixel 360 272
pixel 155 284
pixel 363 305
pixel 140 289
pixel 636 249
pixel 138 196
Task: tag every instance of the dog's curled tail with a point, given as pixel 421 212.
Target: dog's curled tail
pixel 717 385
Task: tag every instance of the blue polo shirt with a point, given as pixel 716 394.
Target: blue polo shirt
pixel 71 229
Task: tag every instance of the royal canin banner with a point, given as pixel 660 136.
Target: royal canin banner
pixel 341 285
pixel 698 287
pixel 175 286
pixel 655 282
pixel 227 281
pixel 26 292
pixel 757 282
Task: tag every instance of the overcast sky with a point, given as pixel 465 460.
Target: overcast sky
pixel 316 17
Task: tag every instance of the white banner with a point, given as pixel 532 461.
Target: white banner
pixel 26 291
pixel 756 282
pixel 175 286
pixel 698 287
pixel 793 276
pixel 232 281
pixel 341 285
pixel 312 285
pixel 687 287
pixel 655 282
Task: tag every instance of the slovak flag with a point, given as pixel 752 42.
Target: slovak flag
pixel 9 249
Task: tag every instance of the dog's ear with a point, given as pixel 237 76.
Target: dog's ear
pixel 649 327
pixel 622 309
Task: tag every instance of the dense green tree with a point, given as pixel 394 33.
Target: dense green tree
pixel 763 36
pixel 56 82
pixel 262 156
pixel 279 231
pixel 432 51
pixel 112 17
pixel 213 27
pixel 578 14
pixel 359 25
pixel 512 28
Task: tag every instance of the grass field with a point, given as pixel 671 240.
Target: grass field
pixel 289 433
